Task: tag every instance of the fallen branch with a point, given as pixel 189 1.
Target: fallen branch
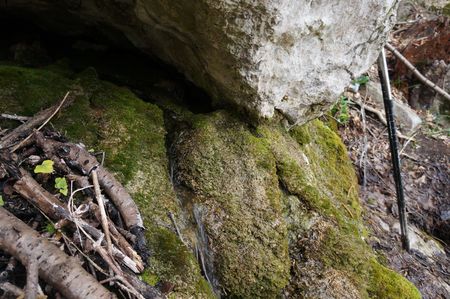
pixel 31 190
pixel 55 267
pixel 27 186
pixel 41 118
pixel 41 126
pixel 142 289
pixel 119 236
pixel 79 158
pixel 380 116
pixel 419 76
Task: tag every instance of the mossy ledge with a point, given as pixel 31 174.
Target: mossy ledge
pixel 280 209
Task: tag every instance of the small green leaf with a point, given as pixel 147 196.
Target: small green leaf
pixel 61 185
pixel 45 167
pixel 1 201
pixel 50 228
pixel 361 80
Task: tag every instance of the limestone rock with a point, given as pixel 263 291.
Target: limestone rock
pixel 406 118
pixel 291 56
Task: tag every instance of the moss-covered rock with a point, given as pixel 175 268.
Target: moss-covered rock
pixel 131 133
pixel 232 175
pixel 274 212
pixel 262 186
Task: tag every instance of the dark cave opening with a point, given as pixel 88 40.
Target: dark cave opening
pixel 23 42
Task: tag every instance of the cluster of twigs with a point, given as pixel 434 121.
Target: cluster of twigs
pixel 112 250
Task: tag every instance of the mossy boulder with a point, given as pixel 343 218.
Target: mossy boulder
pixel 267 193
pixel 269 212
pixel 131 132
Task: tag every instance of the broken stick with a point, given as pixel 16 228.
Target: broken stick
pixel 101 206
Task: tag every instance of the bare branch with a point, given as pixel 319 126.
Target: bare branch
pixel 14 117
pixel 101 205
pixel 419 76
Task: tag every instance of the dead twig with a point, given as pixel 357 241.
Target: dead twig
pixel 42 125
pixel 77 156
pixel 118 235
pixel 14 117
pixel 407 142
pixel 172 218
pixel 101 206
pixel 27 187
pixel 363 155
pixel 32 286
pixel 133 285
pixel 8 287
pixel 419 76
pixel 380 116
pixel 39 118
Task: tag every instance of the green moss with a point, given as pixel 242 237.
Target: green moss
pixel 301 134
pixel 172 262
pixel 149 277
pixel 313 165
pixel 446 10
pixel 233 175
pixel 26 91
pixel 388 284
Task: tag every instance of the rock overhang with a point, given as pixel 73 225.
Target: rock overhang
pixel 294 57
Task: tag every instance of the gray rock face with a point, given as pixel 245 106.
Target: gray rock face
pixel 293 56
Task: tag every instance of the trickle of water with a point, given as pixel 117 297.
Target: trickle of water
pixel 202 251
